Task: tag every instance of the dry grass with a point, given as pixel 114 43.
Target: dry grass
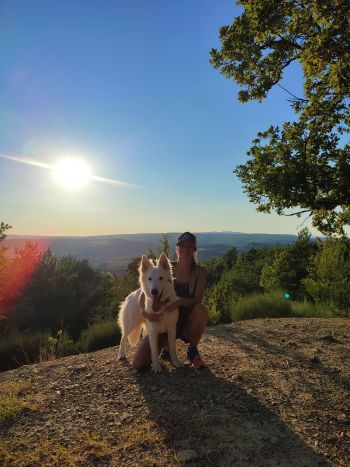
pixel 14 400
pixel 145 433
pixel 47 452
pixel 147 437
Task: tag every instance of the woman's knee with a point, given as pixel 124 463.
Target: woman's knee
pixel 142 355
pixel 137 363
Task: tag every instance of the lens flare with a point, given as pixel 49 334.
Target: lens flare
pixel 71 173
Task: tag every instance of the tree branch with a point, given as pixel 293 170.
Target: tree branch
pixel 306 218
pixel 299 212
pixel 295 97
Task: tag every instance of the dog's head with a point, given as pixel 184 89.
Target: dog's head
pixel 156 279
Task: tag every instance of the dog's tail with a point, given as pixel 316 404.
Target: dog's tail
pixel 131 321
pixel 135 334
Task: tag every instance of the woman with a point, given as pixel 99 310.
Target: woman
pixel 190 280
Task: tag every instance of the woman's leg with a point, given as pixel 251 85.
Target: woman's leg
pixel 196 323
pixel 193 331
pixel 142 358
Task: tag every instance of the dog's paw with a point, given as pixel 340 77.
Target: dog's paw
pixel 156 368
pixel 178 363
pixel 121 357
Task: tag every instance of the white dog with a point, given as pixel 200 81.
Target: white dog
pixel 157 284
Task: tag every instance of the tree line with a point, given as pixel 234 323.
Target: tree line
pixel 311 271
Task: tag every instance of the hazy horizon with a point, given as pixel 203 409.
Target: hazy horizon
pixel 11 234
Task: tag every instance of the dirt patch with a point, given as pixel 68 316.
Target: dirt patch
pixel 276 393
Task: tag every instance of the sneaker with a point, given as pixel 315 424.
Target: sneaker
pixel 165 355
pixel 195 359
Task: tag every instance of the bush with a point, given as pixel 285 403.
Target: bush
pixel 21 348
pixel 261 306
pixel 99 336
pixel 58 346
pixel 307 309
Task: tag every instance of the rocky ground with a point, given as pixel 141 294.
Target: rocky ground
pixel 276 393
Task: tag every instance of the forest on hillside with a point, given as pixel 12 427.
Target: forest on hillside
pixel 53 306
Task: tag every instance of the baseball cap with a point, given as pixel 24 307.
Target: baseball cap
pixel 187 236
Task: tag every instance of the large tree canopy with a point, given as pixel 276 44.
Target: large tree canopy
pixel 305 164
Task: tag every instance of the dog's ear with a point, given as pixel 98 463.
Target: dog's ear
pixel 145 263
pixel 164 262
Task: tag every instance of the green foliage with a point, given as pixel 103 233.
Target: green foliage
pixel 57 346
pixel 240 276
pixel 4 268
pixel 258 305
pixel 18 348
pixel 329 278
pixel 66 293
pixel 217 266
pixel 129 281
pixel 219 298
pixel 165 245
pixel 99 336
pixel 303 165
pixel 289 267
pixel 307 309
pixel 16 273
pixel 3 228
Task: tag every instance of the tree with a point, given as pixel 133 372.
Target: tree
pixel 165 244
pixel 302 165
pixel 241 278
pixel 329 278
pixel 217 266
pixel 4 268
pixel 18 271
pixel 65 291
pixel 3 228
pixel 290 267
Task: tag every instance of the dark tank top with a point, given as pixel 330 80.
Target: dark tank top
pixel 182 289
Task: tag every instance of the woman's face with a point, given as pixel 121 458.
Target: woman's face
pixel 185 249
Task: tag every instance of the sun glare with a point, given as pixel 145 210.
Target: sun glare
pixel 71 173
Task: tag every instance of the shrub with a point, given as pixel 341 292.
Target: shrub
pixel 261 306
pixel 21 348
pixel 307 309
pixel 57 346
pixel 99 336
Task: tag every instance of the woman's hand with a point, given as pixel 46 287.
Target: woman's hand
pixel 153 316
pixel 173 306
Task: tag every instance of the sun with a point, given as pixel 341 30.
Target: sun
pixel 72 173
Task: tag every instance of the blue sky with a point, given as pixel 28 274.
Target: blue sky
pixel 128 87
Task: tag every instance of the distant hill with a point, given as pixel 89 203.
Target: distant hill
pixel 114 252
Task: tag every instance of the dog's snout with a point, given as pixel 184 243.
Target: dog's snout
pixel 154 292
